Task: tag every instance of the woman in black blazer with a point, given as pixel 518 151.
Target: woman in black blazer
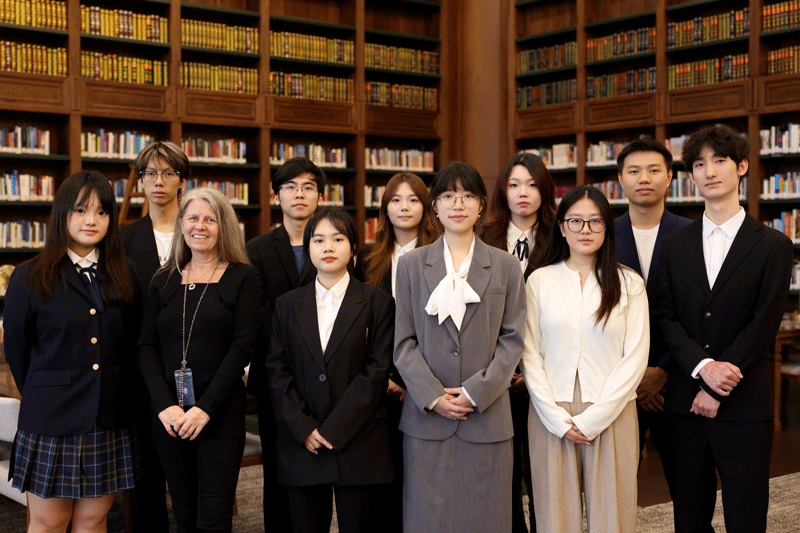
pixel 198 334
pixel 71 320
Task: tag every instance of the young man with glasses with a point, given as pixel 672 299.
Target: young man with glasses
pixel 645 172
pixel 282 266
pixel 163 169
pixel 722 287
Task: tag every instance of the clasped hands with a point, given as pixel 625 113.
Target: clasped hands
pixel 722 377
pixel 186 425
pixel 453 404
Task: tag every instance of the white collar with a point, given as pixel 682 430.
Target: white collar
pixel 338 289
pixel 514 234
pixel 91 257
pixel 730 227
pixel 410 245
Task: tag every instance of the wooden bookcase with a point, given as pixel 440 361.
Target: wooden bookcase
pixel 72 104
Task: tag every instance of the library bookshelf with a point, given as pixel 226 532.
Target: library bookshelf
pixel 283 77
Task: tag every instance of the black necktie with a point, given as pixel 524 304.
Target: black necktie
pixel 92 278
pixel 521 249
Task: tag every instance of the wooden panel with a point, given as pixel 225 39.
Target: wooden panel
pixel 630 111
pixel 27 92
pixel 778 93
pixel 123 100
pixel 547 120
pixel 312 115
pixel 708 103
pixel 396 121
pixel 204 107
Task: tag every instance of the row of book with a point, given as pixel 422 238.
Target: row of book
pixel 26 187
pixel 24 140
pixel 311 86
pixel 558 156
pixel 323 156
pixel 333 195
pixel 708 71
pixel 778 140
pixel 119 190
pixel 735 23
pixel 124 24
pixel 547 57
pixel 204 34
pixel 33 59
pixel 39 13
pixel 237 193
pixel 114 145
pixel 373 195
pixel 22 234
pixel 788 223
pixel 781 15
pixel 603 153
pixel 620 44
pixel 398 160
pixel 124 69
pixel 784 60
pixel 675 145
pixel 370 225
pixel 557 92
pixel 612 190
pixel 223 78
pixel 396 95
pixel 311 47
pixel 632 81
pixel 216 151
pixel 398 58
pixel 781 185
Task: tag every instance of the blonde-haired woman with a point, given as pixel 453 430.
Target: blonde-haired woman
pixel 198 334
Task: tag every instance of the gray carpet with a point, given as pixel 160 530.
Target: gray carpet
pixel 784 509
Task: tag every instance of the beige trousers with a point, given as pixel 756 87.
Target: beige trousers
pixel 605 471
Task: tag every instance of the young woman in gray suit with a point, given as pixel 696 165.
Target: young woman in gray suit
pixel 458 338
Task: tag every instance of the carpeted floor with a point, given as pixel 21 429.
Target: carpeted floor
pixel 784 510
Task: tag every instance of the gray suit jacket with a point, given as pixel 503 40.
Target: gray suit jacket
pixel 481 357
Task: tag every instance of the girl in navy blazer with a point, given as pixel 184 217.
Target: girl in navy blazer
pixel 72 317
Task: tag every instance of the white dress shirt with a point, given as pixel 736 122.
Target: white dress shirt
pixel 645 245
pixel 91 258
pixel 562 339
pixel 717 241
pixel 328 303
pixel 399 251
pixel 514 234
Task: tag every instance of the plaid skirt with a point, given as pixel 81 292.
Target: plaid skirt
pixel 90 465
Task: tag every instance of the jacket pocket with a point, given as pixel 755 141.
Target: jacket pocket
pixel 49 378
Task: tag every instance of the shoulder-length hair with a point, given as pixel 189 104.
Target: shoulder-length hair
pixel 379 259
pixel 230 240
pixel 76 191
pixel 606 266
pixel 496 227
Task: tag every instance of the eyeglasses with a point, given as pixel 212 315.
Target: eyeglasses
pixel 448 200
pixel 575 225
pixel 291 188
pixel 167 175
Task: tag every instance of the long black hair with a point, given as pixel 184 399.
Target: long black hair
pixel 606 266
pixel 45 270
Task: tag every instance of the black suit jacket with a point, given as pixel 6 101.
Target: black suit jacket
pixel 72 363
pixel 338 392
pixel 629 256
pixel 735 321
pixel 272 256
pixel 139 244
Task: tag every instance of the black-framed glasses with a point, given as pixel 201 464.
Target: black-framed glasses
pixel 166 175
pixel 448 200
pixel 291 188
pixel 575 225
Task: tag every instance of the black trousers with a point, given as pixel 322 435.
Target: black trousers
pixel 357 508
pixel 202 474
pixel 740 452
pixel 392 511
pixel 520 403
pixel 660 425
pixel 150 492
pixel 276 500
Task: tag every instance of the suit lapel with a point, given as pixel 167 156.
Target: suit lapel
pixel 435 270
pixel 694 251
pixel 284 248
pixel 149 250
pixel 626 244
pixel 74 277
pixel 478 277
pixel 306 310
pixel 352 304
pixel 666 227
pixel 747 237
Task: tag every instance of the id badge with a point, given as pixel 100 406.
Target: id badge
pixel 184 384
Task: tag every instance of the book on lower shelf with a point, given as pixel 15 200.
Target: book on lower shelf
pixel 322 156
pixel 776 140
pixel 708 71
pixel 311 86
pixel 784 60
pixel 114 145
pixel 23 187
pixel 24 140
pixel 216 151
pixel 548 57
pixel 557 92
pixel 633 81
pixel 683 189
pixel 237 193
pixel 223 78
pixel 397 95
pixel 780 186
pixel 370 225
pixel 124 69
pixel 22 234
pixel 373 195
pixel 788 223
pixel 398 160
pixel 557 157
pixel 119 191
pixel 612 190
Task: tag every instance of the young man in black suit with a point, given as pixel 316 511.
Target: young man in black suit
pixel 723 282
pixel 282 266
pixel 645 171
pixel 163 169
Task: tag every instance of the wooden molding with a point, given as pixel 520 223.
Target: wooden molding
pixel 35 93
pixel 778 93
pixel 205 107
pixel 123 100
pixel 311 115
pixel 710 102
pixel 623 111
pixel 398 121
pixel 556 119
